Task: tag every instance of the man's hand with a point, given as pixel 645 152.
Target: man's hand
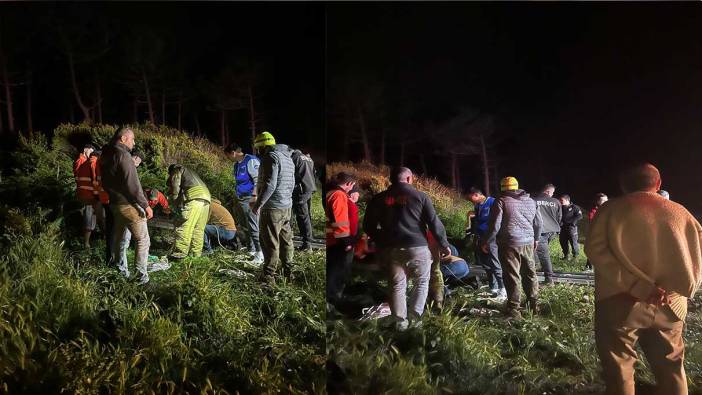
pixel 484 248
pixel 536 244
pixel 149 212
pixel 471 214
pixel 254 208
pixel 659 297
pixel 87 152
pixel 445 251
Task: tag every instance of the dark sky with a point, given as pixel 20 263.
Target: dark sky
pixel 578 89
pixel 286 39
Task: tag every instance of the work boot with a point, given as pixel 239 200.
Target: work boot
pixel 548 281
pixel 501 295
pixel 533 306
pixel 266 280
pixel 303 248
pixel 512 314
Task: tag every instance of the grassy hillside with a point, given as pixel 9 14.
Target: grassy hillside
pixel 69 323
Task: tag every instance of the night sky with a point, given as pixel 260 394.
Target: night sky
pixel 578 89
pixel 287 40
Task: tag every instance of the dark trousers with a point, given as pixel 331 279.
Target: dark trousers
pixel 542 254
pixel 491 263
pixel 109 230
pixel 302 205
pixel 338 271
pixel 518 267
pixel 569 238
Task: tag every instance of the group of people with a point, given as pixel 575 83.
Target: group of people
pixel 646 252
pixel 267 190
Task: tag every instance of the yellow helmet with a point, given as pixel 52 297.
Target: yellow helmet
pixel 263 140
pixel 509 184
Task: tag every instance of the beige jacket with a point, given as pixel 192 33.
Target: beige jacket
pixel 641 241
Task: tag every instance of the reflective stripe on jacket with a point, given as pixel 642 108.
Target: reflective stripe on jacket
pixel 83 170
pixel 337 210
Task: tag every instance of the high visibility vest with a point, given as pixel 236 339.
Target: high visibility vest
pixel 244 182
pixel 83 172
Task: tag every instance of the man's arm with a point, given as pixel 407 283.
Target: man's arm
pixel 252 168
pixel 495 221
pixel 578 214
pixel 78 162
pixel 268 182
pixel 132 185
pixel 538 225
pixel 433 222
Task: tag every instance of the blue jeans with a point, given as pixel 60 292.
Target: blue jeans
pixel 491 263
pixel 454 271
pixel 218 235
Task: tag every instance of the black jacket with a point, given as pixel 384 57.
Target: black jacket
pixel 550 210
pixel 304 172
pixel 571 215
pixel 119 176
pixel 400 217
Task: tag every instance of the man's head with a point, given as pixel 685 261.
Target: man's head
pixel 549 189
pixel 125 136
pixel 234 152
pixel 401 175
pixel 509 184
pixel 475 195
pixel 600 199
pixel 137 157
pixel 264 141
pixel 665 194
pixel 640 178
pixel 151 194
pixel 565 200
pixel 345 181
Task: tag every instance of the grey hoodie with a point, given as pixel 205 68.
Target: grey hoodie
pixel 276 179
pixel 514 220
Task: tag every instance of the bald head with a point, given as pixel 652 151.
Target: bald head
pixel 400 175
pixel 125 136
pixel 640 178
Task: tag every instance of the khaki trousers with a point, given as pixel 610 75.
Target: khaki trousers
pixel 276 240
pixel 621 322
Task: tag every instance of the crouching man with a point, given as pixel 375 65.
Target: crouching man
pixel 646 254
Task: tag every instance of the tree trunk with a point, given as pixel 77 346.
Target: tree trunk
pixel 364 137
pixel 180 111
pixel 163 107
pixel 402 152
pixel 222 131
pixel 454 165
pixel 30 124
pixel 382 147
pixel 486 169
pixel 252 114
pixel 71 112
pixel 147 91
pixel 423 162
pixel 8 94
pixel 197 125
pixel 2 127
pixel 76 90
pixel 98 99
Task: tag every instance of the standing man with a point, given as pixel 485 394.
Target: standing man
pixel 515 224
pixel 398 219
pixel 187 190
pixel 488 260
pixel 648 262
pixel 130 209
pixel 550 210
pixel 302 195
pixel 600 199
pixel 87 191
pixel 339 234
pixel 246 175
pixel 274 201
pixel 569 226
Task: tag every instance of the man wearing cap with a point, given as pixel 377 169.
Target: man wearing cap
pixel 246 168
pixel 274 202
pixel 398 220
pixel 515 224
pixel 187 190
pixel 647 258
pixel 550 210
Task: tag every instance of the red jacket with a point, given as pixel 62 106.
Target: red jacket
pixel 159 198
pixel 338 229
pixel 102 194
pixel 84 172
pixel 592 213
pixel 353 218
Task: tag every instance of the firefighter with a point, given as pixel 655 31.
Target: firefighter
pixel 188 191
pixel 87 192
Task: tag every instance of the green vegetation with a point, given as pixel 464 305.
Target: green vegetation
pixel 69 323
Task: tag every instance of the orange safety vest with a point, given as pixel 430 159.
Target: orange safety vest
pixel 83 170
pixel 338 225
